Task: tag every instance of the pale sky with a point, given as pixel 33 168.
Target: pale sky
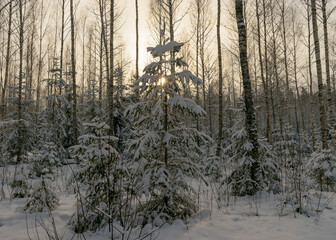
pixel 128 28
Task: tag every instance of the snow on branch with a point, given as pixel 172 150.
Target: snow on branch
pixel 160 50
pixel 185 103
pixel 186 76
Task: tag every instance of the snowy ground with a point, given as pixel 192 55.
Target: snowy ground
pixel 232 223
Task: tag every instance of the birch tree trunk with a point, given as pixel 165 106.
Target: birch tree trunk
pixel 250 122
pixel 323 126
pixel 326 49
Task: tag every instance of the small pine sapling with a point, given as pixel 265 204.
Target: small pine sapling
pixel 101 175
pixel 166 147
pixel 240 178
pixel 322 166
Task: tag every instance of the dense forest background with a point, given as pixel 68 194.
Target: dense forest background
pixel 237 95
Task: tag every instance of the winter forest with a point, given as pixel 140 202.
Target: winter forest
pixel 167 119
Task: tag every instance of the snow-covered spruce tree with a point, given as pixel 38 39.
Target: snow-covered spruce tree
pixel 41 197
pixel 44 160
pixel 322 167
pixel 91 109
pixel 18 183
pixel 54 122
pixel 292 149
pixel 165 145
pixel 240 162
pixel 101 175
pixel 122 98
pixel 18 126
pixel 18 135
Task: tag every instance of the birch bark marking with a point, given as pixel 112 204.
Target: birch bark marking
pixel 250 122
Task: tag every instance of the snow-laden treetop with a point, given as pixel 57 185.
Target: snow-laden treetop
pixel 160 50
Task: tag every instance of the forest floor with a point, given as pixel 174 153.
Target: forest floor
pixel 237 221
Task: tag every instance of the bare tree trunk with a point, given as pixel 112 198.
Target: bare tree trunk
pixel 21 42
pixel 38 87
pixel 83 63
pixel 277 81
pixel 9 34
pixel 250 122
pixel 266 83
pixel 30 90
pixel 283 17
pixel 298 100
pixel 62 45
pixel 311 108
pixel 137 39
pixel 319 77
pixel 111 79
pixel 73 70
pixel 220 82
pixel 262 65
pixel 326 49
pixel 110 89
pixel 103 32
pixel 295 44
pixel 197 55
pixel 101 52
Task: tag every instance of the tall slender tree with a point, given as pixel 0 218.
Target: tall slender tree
pixel 311 107
pixel 323 126
pixel 220 82
pixel 73 74
pixel 137 39
pixel 111 79
pixel 250 121
pixel 21 76
pixel 327 65
pixel 4 88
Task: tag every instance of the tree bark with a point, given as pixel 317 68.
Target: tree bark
pixel 311 105
pixel 9 34
pixel 111 79
pixel 220 83
pixel 283 9
pixel 277 81
pixel 137 39
pixel 326 49
pixel 21 42
pixel 266 83
pixel 323 127
pixel 250 122
pixel 73 70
